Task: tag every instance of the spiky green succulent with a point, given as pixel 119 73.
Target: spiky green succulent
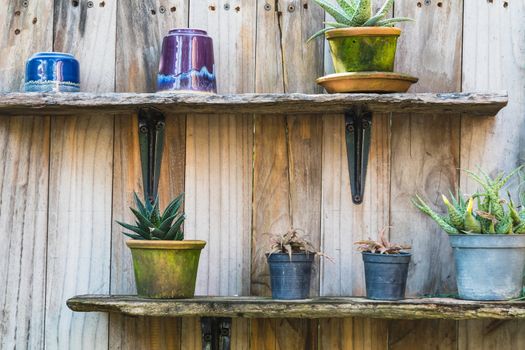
pixel 150 224
pixel 493 215
pixel 357 13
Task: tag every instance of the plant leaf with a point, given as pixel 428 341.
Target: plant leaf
pixel 339 15
pixel 317 34
pixel 135 229
pixel 391 21
pixel 347 6
pixel 131 235
pixel 173 207
pixel 362 13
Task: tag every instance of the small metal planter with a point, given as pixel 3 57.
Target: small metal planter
pixel 290 278
pixel 386 275
pixel 489 266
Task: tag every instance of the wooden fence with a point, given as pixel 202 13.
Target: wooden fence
pixel 65 179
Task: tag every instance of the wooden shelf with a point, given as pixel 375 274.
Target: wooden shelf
pixel 476 104
pixel 323 307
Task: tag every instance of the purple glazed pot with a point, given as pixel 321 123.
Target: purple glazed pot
pixel 186 62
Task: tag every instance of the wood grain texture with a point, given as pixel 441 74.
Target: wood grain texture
pixel 288 149
pixel 425 156
pixel 406 334
pixel 319 307
pixel 24 159
pixel 79 222
pixel 81 182
pixel 24 180
pixel 24 31
pixel 343 223
pixel 140 29
pixel 219 159
pixel 475 104
pixel 493 57
pixel 89 34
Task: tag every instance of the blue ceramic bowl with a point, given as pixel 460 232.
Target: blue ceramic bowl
pixel 52 72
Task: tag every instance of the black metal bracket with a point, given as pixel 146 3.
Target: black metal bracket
pixel 216 333
pixel 151 141
pixel 358 128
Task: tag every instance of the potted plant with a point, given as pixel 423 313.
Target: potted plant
pixel 165 264
pixel 290 259
pixel 360 41
pixel 386 268
pixel 487 239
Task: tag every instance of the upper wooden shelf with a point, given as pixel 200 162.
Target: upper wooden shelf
pixel 476 104
pixel 322 307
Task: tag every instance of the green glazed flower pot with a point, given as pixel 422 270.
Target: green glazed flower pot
pixel 165 269
pixel 363 49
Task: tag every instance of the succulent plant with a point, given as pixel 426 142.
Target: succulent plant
pixel 150 224
pixel 357 13
pixel 381 246
pixel 292 241
pixel 493 215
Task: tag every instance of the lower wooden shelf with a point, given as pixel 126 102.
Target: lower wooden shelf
pixel 322 307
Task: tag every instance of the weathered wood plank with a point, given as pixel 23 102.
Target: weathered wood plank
pixel 24 180
pixel 425 156
pixel 79 224
pixel 476 104
pixel 344 223
pixel 319 307
pixel 493 57
pixel 339 214
pixel 140 24
pixel 24 31
pixel 219 161
pixel 24 165
pixel 81 181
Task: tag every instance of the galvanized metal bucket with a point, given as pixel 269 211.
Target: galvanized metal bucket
pixel 489 266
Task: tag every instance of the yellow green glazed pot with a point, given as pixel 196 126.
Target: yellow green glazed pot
pixel 363 49
pixel 165 269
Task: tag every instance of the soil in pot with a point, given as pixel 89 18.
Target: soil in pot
pixel 165 269
pixel 386 275
pixel 489 266
pixel 290 278
pixel 363 49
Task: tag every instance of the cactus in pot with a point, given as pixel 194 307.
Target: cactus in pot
pixel 165 264
pixel 360 40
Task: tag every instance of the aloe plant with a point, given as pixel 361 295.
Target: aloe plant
pixel 357 13
pixel 152 225
pixel 381 246
pixel 493 215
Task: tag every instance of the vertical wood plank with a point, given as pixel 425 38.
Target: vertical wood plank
pixel 81 182
pixel 344 223
pixel 79 226
pixel 493 59
pixel 219 155
pixel 425 160
pixel 219 162
pixel 24 180
pixel 287 177
pixel 24 159
pixel 140 29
